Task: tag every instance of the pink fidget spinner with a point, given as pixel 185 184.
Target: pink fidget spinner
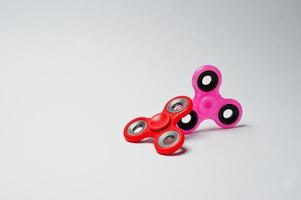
pixel 208 102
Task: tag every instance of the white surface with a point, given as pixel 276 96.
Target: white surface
pixel 72 74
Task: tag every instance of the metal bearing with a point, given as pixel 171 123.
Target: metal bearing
pixel 177 105
pixel 137 127
pixel 164 141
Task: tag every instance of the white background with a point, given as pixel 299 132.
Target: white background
pixel 73 73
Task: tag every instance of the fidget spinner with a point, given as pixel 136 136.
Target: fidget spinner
pixel 208 102
pixel 168 138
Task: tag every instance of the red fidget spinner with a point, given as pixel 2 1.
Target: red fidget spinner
pixel 168 138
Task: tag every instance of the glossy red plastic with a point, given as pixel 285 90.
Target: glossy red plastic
pixel 162 127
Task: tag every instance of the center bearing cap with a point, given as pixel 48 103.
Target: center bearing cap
pixel 159 121
pixel 208 105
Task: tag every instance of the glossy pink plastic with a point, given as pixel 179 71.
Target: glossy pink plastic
pixel 208 102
